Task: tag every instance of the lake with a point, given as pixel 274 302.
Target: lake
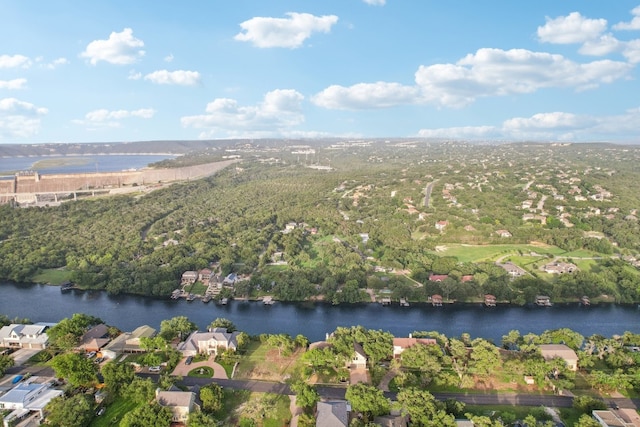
pixel 42 303
pixel 77 164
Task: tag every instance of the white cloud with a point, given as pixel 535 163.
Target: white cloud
pixel 14 61
pixel 634 24
pixel 56 63
pixel 112 118
pixel 366 95
pixel 488 72
pixel 288 32
pixel 133 75
pixel 554 126
pixel 13 84
pixel 279 111
pixel 19 119
pixel 179 77
pixel 375 2
pixel 601 46
pixel 632 51
pixel 168 58
pixel 573 28
pixel 121 48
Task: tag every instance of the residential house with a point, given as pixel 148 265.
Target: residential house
pixel 608 418
pixel 490 300
pixel 551 351
pixel 204 275
pixel 401 344
pixel 189 277
pixel 231 279
pixel 466 278
pixel 359 357
pixel 512 269
pixel 437 277
pixel 95 338
pixel 180 403
pixel 436 300
pixel 503 233
pixel 24 398
pixel 128 342
pixel 560 268
pixel 24 336
pixel 209 342
pixel 441 225
pixel 334 413
pixel 395 419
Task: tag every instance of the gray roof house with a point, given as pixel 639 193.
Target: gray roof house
pixel 209 342
pixel 333 414
pixel 24 336
pixel 25 398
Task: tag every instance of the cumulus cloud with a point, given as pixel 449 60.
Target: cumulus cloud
pixel 552 126
pixel 19 119
pixel 573 28
pixel 120 48
pixel 14 61
pixel 634 24
pixel 632 51
pixel 488 72
pixel 603 45
pixel 56 63
pixel 366 95
pixel 290 32
pixel 179 77
pixel 112 118
pixel 168 58
pixel 279 110
pixel 133 75
pixel 13 84
pixel 375 2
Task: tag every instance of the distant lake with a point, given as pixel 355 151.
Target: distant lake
pixel 78 164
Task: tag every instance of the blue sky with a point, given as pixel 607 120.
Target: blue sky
pixel 121 70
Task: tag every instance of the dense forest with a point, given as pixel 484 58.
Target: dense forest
pixel 332 219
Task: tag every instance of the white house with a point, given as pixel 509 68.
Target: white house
pixel 209 342
pixel 25 398
pixel 24 336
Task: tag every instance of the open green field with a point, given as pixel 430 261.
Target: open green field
pixel 115 411
pixel 52 276
pixel 490 253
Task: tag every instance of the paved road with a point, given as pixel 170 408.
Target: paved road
pixel 329 392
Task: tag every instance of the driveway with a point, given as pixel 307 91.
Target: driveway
pixel 218 371
pixel 21 356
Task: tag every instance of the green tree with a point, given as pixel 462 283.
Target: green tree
pixel 221 322
pixel 179 326
pixel 117 375
pixel 586 421
pixel 586 404
pixel 424 358
pixel 283 342
pixel 423 408
pixel 147 415
pixel 367 400
pixel 153 343
pixel 76 369
pixel 74 411
pixel 140 391
pixel 200 419
pixel 306 395
pixel 6 362
pixel 212 397
pixel 66 333
pixel 484 358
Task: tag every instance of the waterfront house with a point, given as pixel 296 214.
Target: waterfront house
pixel 512 269
pixel 401 344
pixel 189 277
pixel 180 403
pixel 436 300
pixel 490 300
pixel 333 413
pixel 204 275
pixel 94 339
pixel 552 351
pixel 128 342
pixel 543 301
pixel 209 342
pixel 24 336
pixel 359 357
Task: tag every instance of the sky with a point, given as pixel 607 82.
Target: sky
pixel 504 70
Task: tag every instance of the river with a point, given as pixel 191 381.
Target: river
pixel 78 164
pixel 42 303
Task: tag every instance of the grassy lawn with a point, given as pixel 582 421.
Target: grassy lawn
pixel 511 412
pixel 197 288
pixel 478 253
pixel 263 409
pixel 262 361
pixel 52 276
pixel 115 410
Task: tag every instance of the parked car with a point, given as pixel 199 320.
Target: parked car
pixel 188 360
pixel 155 368
pixel 16 379
pixel 100 411
pixel 91 354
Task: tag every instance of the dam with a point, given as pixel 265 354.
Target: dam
pixel 32 188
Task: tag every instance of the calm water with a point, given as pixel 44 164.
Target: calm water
pixel 90 163
pixel 47 303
